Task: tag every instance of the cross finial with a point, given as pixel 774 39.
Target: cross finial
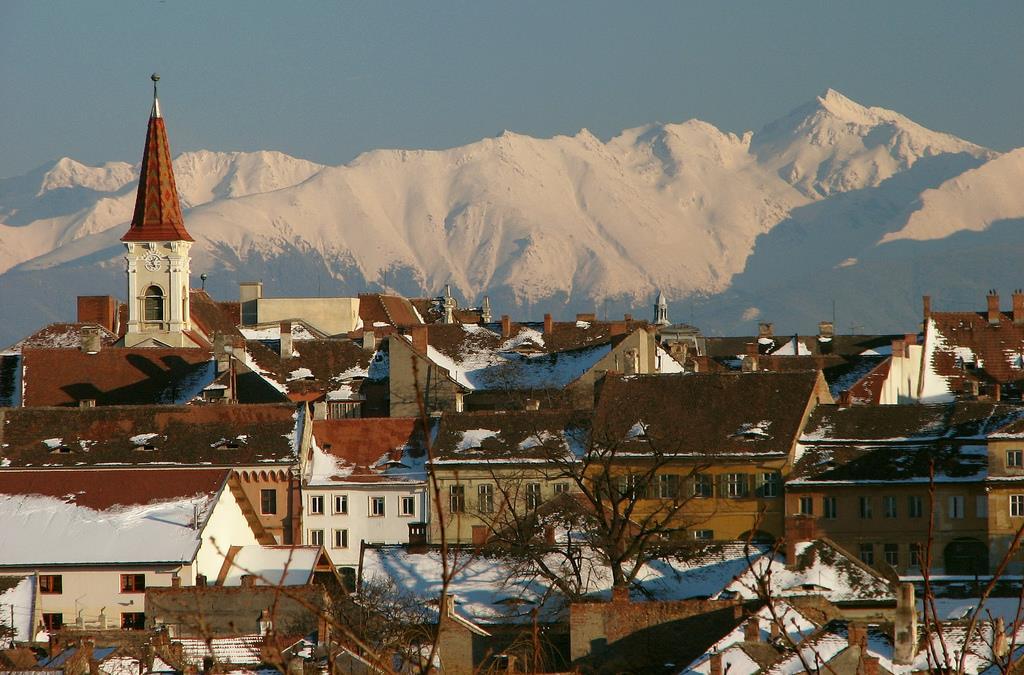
pixel 156 102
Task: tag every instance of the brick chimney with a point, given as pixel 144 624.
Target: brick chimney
pixel 911 338
pixel 98 309
pixel 200 580
pixel 419 338
pixel 715 664
pixel 506 327
pixel 905 625
pixel 549 324
pixel 89 339
pixel 286 339
pixel 369 340
pixel 899 348
pixel 620 594
pixel 856 634
pixel 826 331
pixel 870 664
pixel 248 581
pixel 750 360
pixel 926 303
pixel 799 527
pixel 993 307
pixel 1018 307
pixel 752 630
pixel 627 317
pixel 618 328
pixel 586 316
pixel 845 400
pixel 764 330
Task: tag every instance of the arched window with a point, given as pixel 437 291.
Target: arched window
pixel 153 304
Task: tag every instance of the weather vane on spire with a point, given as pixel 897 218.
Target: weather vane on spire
pixel 156 102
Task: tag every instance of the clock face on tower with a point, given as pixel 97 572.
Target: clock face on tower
pixel 152 262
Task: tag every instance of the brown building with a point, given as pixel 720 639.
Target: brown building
pixel 864 474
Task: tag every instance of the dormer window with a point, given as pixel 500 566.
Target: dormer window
pixel 153 304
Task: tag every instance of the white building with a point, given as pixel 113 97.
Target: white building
pixel 98 538
pixel 364 481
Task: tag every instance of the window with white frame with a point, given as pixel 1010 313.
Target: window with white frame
pixel 457 498
pixel 376 506
pixel 915 506
pixel 340 539
pixel 561 488
pixel 1017 505
pixel 735 485
pixel 704 535
pixel 668 485
pixel 316 537
pixel 407 505
pixel 807 506
pixel 316 505
pixel 485 498
pixel 889 506
pixel 1014 459
pixel 532 495
pixel 703 487
pixel 340 505
pixel 771 482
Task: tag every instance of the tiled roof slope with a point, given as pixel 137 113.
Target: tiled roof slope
pixel 719 413
pixel 950 462
pixel 115 376
pixel 211 316
pixel 148 435
pixel 897 423
pixel 60 335
pixel 368 445
pixel 393 310
pixel 965 344
pixel 508 435
pixel 102 489
pixel 321 366
pixel 157 214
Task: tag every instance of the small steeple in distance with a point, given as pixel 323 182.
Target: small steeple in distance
pixel 661 311
pixel 157 256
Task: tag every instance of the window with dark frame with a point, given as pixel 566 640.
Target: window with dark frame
pixel 341 539
pixel 668 485
pixel 561 488
pixel 316 537
pixel 770 483
pixel 340 505
pixel 703 487
pixel 53 621
pixel 133 583
pixel 133 620
pixel 268 501
pixel 316 505
pixel 915 555
pixel 153 304
pixel 1016 506
pixel 892 554
pixel 807 506
pixel 736 485
pixel 865 507
pixel 1014 459
pixel 830 508
pixel 51 584
pixel 457 498
pixel 867 553
pixel 703 535
pixel 889 506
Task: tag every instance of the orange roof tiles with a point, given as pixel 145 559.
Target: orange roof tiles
pixel 157 214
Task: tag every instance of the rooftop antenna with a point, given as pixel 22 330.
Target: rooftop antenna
pixel 202 278
pixel 156 102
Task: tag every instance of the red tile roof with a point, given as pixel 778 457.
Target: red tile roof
pixel 390 309
pixel 101 489
pixel 57 335
pixel 225 435
pixel 999 347
pixel 363 442
pixel 157 214
pixel 63 377
pixel 211 316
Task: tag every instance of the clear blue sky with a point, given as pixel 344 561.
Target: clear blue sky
pixel 327 80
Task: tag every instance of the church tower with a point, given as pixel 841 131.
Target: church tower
pixel 661 311
pixel 158 249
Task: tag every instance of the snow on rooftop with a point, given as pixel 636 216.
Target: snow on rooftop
pixel 487 368
pixel 18 602
pixel 244 650
pixel 273 565
pixel 300 374
pixel 473 438
pixel 41 530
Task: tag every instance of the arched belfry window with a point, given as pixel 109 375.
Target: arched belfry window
pixel 153 304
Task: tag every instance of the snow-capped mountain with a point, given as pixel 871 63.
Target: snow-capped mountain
pixel 826 202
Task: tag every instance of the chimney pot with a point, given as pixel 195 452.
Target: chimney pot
pixel 752 630
pixel 1018 307
pixel 248 580
pixel 548 324
pixel 926 303
pixel 764 330
pixel 825 329
pixel 627 317
pixel 90 339
pixel 715 664
pixel 286 339
pixel 845 400
pixel 993 307
pixel 506 326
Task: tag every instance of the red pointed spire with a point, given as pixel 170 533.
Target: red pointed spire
pixel 157 209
